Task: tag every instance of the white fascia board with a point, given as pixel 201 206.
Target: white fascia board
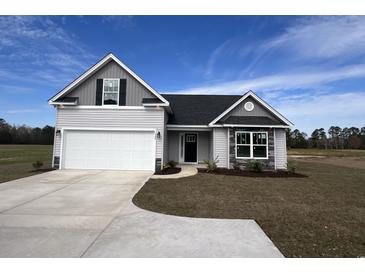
pixel 63 104
pixel 155 105
pixel 186 126
pixel 107 58
pixel 251 93
pixel 241 125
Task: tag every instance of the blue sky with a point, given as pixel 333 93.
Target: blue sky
pixel 312 69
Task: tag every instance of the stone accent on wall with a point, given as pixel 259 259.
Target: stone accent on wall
pixel 158 164
pixel 56 162
pixel 269 164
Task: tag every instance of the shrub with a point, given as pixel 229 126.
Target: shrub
pixel 236 165
pixel 211 165
pixel 37 165
pixel 170 164
pixel 255 166
pixel 291 167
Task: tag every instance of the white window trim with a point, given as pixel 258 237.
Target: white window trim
pixel 111 79
pixel 252 145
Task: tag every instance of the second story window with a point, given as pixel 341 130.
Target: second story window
pixel 111 92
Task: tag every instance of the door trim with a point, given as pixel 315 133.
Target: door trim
pixel 103 129
pixel 182 147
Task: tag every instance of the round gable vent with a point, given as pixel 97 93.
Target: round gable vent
pixel 249 106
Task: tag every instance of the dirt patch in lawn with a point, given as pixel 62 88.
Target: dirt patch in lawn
pixel 322 215
pixel 168 171
pixel 246 173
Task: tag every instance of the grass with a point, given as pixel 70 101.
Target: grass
pixel 16 160
pixel 319 216
pixel 327 152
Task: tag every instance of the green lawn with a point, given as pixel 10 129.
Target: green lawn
pixel 319 216
pixel 327 152
pixel 16 160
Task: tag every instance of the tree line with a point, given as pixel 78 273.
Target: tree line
pixel 11 134
pixel 334 138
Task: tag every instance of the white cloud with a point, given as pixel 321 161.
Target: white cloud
pixel 39 46
pixel 24 110
pixel 279 82
pixel 322 37
pixel 307 113
pixel 119 21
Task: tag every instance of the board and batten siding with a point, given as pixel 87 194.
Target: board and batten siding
pixel 280 149
pixel 110 118
pixel 220 146
pixel 86 91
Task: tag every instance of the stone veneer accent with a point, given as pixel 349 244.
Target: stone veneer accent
pixel 158 164
pixel 269 164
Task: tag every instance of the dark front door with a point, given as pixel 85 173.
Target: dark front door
pixel 191 148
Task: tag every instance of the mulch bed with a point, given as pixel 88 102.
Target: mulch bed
pixel 246 173
pixel 168 171
pixel 42 170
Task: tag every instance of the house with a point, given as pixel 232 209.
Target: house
pixel 109 118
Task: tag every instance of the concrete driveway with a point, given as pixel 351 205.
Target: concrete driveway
pixel 73 213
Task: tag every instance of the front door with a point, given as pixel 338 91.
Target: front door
pixel 191 148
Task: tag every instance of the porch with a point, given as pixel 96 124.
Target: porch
pixel 191 146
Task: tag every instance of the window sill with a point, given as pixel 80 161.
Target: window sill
pixel 251 158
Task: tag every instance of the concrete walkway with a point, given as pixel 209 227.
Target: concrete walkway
pixel 186 171
pixel 91 214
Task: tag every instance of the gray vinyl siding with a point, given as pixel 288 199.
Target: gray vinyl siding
pixel 165 140
pixel 220 146
pixel 280 149
pixel 258 110
pixel 110 118
pixel 87 90
pixel 173 144
pixel 203 145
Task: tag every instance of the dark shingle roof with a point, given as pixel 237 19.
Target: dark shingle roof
pixel 251 120
pixel 197 109
pixel 151 101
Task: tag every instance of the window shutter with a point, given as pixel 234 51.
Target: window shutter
pixel 122 92
pixel 99 92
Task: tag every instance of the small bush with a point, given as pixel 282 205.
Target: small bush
pixel 255 166
pixel 171 164
pixel 236 165
pixel 291 167
pixel 37 165
pixel 211 165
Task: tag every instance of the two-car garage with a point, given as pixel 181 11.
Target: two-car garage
pixel 108 149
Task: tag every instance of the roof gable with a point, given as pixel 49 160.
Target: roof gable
pixel 242 114
pixel 263 109
pixel 103 62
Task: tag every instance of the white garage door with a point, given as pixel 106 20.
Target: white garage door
pixel 118 150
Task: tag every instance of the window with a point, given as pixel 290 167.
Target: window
pixel 243 146
pixel 251 145
pixel 190 138
pixel 111 92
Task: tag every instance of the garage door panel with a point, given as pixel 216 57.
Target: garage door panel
pixel 120 150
